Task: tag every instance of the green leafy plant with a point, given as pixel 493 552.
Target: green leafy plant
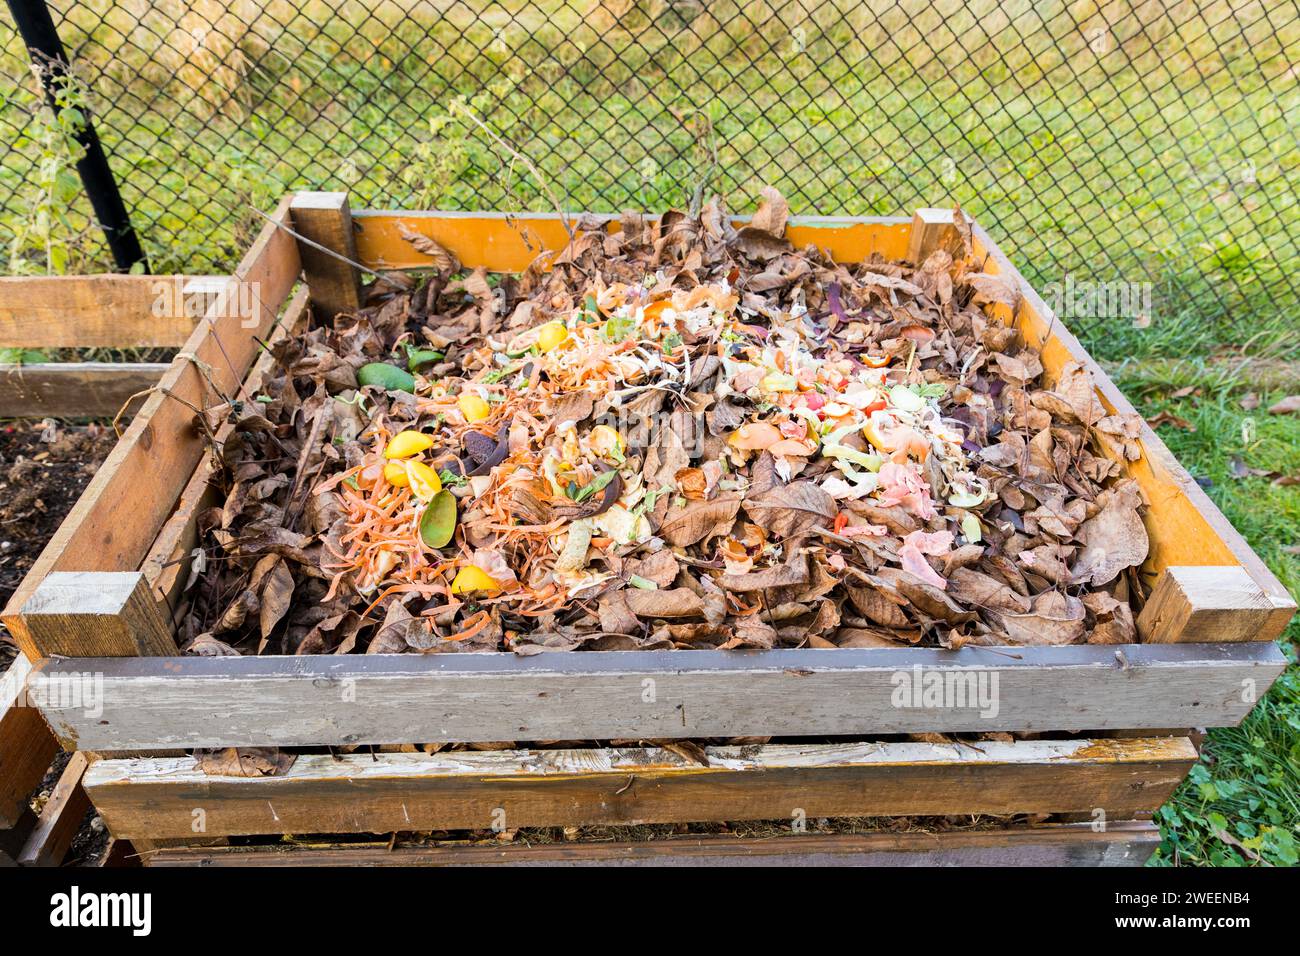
pixel 47 233
pixel 14 356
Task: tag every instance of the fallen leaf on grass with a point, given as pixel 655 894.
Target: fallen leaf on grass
pixel 1168 418
pixel 1240 469
pixel 1287 406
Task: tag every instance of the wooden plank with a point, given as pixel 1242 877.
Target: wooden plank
pixel 60 818
pixel 509 242
pixel 117 518
pixel 1205 604
pixel 156 797
pixel 324 218
pixel 931 229
pixel 119 853
pixel 151 704
pixel 167 565
pixel 1128 843
pixel 1186 529
pixel 26 745
pixel 13 838
pixel 101 311
pixel 74 389
pixel 107 613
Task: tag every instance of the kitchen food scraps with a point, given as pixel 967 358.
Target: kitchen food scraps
pixel 678 432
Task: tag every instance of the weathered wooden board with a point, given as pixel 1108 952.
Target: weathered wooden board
pixel 102 311
pixel 1127 843
pixel 114 523
pixel 60 819
pixel 161 703
pixel 158 797
pixel 74 389
pixel 26 745
pixel 1206 604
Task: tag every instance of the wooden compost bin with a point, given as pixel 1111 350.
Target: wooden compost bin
pixel 72 312
pixel 98 599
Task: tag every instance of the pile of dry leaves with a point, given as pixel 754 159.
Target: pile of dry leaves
pixel 676 435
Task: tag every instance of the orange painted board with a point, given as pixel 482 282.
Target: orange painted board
pixel 505 242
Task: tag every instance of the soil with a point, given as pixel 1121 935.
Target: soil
pixel 43 471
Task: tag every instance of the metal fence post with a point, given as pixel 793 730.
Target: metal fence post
pixel 40 36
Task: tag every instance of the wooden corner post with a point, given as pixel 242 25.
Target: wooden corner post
pixel 1209 604
pixel 931 229
pixel 94 614
pixel 325 218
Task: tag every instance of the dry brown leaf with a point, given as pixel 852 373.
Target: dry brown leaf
pixel 1169 418
pixel 1113 539
pixel 773 213
pixel 443 260
pixel 244 762
pixel 1054 619
pixel 673 602
pixel 791 510
pixel 982 590
pixel 793 571
pixel 698 520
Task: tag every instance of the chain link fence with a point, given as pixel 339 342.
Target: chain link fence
pixel 1137 142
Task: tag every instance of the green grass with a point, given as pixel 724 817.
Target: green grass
pixel 1247 784
pixel 1123 165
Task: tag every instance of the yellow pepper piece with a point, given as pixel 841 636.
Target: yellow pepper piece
pixel 605 441
pixel 471 578
pixel 473 408
pixel 551 335
pixel 408 443
pixel 419 477
pixel 872 434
